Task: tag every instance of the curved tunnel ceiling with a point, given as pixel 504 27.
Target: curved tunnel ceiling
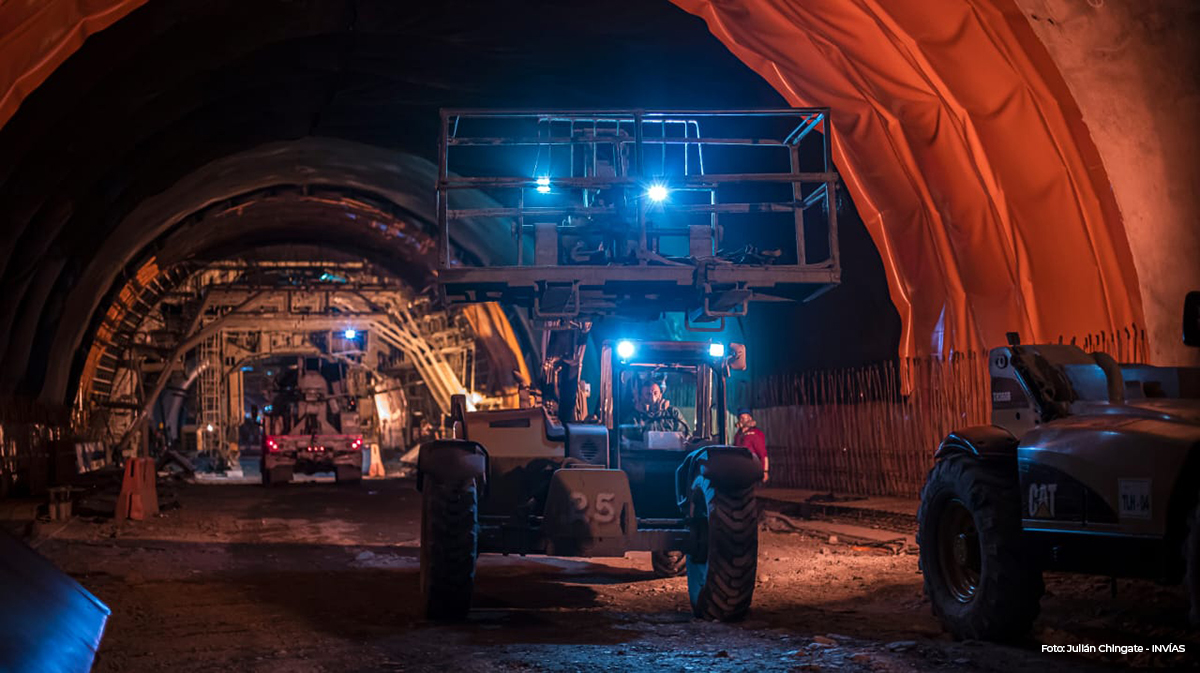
pixel 330 194
pixel 959 144
pixel 966 155
pixel 154 120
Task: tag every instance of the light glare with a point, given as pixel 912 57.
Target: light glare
pixel 543 185
pixel 350 333
pixel 716 350
pixel 657 193
pixel 625 349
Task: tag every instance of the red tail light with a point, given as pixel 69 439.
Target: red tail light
pixel 272 447
pixel 357 443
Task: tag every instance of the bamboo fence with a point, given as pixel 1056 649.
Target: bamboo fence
pixel 872 430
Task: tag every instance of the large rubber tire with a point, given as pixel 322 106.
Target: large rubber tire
pixel 980 582
pixel 721 568
pixel 347 474
pixel 1191 556
pixel 449 548
pixel 668 563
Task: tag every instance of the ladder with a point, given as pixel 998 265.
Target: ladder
pixel 211 419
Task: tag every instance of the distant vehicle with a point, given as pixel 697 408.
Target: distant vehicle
pixel 311 430
pixel 1088 466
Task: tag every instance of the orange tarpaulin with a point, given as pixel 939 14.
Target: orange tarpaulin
pixel 965 155
pixel 957 139
pixel 36 36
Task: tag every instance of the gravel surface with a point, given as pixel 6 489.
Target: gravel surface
pixel 317 577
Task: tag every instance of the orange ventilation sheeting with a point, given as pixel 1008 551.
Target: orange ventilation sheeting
pixel 955 134
pixel 966 157
pixel 37 36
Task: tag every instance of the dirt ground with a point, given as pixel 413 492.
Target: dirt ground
pixel 320 577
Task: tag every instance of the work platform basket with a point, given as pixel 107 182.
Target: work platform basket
pixel 588 213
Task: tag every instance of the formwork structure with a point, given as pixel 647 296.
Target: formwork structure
pixel 197 338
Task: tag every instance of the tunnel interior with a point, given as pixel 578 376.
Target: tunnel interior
pixel 223 218
pixel 189 134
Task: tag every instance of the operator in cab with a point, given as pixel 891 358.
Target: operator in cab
pixel 653 412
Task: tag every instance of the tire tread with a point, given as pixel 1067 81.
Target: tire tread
pixel 1007 600
pixel 732 553
pixel 449 548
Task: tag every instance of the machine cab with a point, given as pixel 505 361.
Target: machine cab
pixel 660 400
pixel 1035 384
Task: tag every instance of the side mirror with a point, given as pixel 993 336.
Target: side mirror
pixel 737 357
pixel 1191 319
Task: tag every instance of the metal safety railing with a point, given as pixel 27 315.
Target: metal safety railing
pixel 600 193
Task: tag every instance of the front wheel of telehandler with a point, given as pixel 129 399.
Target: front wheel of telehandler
pixel 721 567
pixel 979 580
pixel 449 548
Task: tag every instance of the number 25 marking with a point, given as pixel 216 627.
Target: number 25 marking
pixel 605 511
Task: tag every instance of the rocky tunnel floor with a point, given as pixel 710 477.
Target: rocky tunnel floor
pixel 320 577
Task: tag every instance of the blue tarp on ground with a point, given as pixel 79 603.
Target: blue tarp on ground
pixel 48 622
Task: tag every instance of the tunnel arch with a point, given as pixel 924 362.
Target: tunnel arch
pixel 354 198
pixel 117 126
pixel 965 229
pixel 972 180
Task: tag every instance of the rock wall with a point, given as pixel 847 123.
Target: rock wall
pixel 1133 67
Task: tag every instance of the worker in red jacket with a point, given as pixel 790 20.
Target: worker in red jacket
pixel 752 437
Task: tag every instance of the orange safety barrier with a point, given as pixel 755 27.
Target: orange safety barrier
pixel 376 470
pixel 139 493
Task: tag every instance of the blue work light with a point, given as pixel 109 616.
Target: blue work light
pixel 658 193
pixel 625 349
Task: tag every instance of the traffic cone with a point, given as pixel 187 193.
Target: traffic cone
pixel 376 470
pixel 139 493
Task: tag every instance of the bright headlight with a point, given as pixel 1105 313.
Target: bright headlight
pixel 716 350
pixel 625 349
